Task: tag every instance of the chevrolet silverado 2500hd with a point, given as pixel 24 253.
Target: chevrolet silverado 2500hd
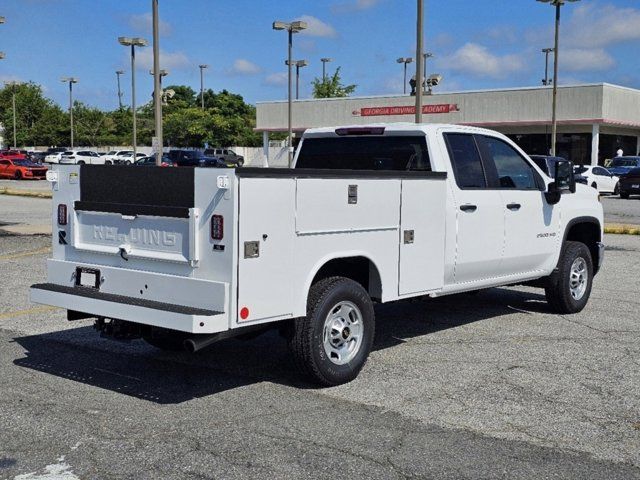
pixel 187 256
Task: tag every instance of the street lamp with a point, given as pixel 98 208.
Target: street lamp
pixel 291 28
pixel 13 86
pixel 554 118
pixel 406 61
pixel 70 81
pixel 546 81
pixel 133 43
pixel 298 64
pixel 202 67
pixel 2 20
pixel 324 65
pixel 1 55
pixel 163 73
pixel 118 73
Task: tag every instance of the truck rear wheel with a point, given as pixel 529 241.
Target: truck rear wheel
pixel 569 286
pixel 331 344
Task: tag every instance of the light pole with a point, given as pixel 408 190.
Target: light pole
pixel 291 28
pixel 133 43
pixel 298 64
pixel 13 86
pixel 70 81
pixel 118 73
pixel 554 117
pixel 324 65
pixel 426 56
pixel 202 68
pixel 406 61
pixel 163 73
pixel 546 80
pixel 157 83
pixel 1 55
pixel 419 59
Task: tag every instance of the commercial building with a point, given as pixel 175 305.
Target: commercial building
pixel 594 121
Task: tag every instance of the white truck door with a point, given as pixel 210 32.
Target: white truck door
pixel 422 227
pixel 531 224
pixel 265 248
pixel 478 213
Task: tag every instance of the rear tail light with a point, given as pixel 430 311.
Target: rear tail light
pixel 62 214
pixel 217 227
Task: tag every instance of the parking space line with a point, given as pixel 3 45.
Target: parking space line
pixel 13 256
pixel 28 311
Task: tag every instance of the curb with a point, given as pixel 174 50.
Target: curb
pixel 25 193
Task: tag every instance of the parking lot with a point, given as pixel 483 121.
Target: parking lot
pixel 487 385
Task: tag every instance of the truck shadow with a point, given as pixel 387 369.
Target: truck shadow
pixel 141 371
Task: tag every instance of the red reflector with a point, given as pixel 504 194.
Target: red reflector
pixel 62 214
pixel 217 227
pixel 244 313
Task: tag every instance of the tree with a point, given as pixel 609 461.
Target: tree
pixel 331 86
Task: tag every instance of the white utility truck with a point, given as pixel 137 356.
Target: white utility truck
pixel 183 257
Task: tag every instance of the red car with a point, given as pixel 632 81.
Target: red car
pixel 20 169
pixel 12 155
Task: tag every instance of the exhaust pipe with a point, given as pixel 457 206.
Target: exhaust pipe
pixel 195 344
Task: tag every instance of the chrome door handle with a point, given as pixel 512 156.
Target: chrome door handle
pixel 468 208
pixel 514 206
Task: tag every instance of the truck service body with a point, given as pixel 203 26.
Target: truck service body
pixel 203 254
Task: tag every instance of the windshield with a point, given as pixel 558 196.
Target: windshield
pixel 25 163
pixel 624 162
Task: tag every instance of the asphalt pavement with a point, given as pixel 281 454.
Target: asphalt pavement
pixel 478 386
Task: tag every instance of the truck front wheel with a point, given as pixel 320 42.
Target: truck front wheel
pixel 569 286
pixel 331 344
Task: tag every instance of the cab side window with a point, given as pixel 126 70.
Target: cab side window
pixel 513 170
pixel 465 158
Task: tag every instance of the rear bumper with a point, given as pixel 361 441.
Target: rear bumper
pixel 93 302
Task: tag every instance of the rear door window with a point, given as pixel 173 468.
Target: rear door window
pixel 365 153
pixel 465 158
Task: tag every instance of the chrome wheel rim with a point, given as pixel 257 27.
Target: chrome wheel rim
pixel 342 333
pixel 578 278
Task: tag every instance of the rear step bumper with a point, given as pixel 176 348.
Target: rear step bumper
pixel 168 315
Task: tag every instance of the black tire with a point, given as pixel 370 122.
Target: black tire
pixel 80 162
pixel 624 195
pixel 594 185
pixel 558 289
pixel 308 333
pixel 127 162
pixel 616 189
pixel 108 162
pixel 240 163
pixel 17 175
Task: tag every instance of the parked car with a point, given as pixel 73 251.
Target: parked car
pixel 194 158
pixel 630 183
pixel 127 158
pixel 548 164
pixel 599 178
pixel 150 161
pixel 12 155
pixel 81 157
pixel 53 157
pixel 113 155
pixel 621 165
pixel 228 156
pixel 21 169
pixel 38 157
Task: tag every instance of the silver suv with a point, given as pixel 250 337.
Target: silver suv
pixel 227 156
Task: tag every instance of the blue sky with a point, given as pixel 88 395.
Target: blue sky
pixel 477 44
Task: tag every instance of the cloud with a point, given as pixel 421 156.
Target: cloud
pixel 244 67
pixel 168 60
pixel 477 60
pixel 144 23
pixel 276 79
pixel 582 59
pixel 317 28
pixel 354 6
pixel 596 26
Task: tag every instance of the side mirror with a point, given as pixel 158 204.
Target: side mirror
pixel 564 182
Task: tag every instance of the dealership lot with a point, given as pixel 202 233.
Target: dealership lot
pixel 489 385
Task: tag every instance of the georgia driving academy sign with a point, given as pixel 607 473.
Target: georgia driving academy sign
pixel 405 110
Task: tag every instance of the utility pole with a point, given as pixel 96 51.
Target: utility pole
pixel 202 67
pixel 70 81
